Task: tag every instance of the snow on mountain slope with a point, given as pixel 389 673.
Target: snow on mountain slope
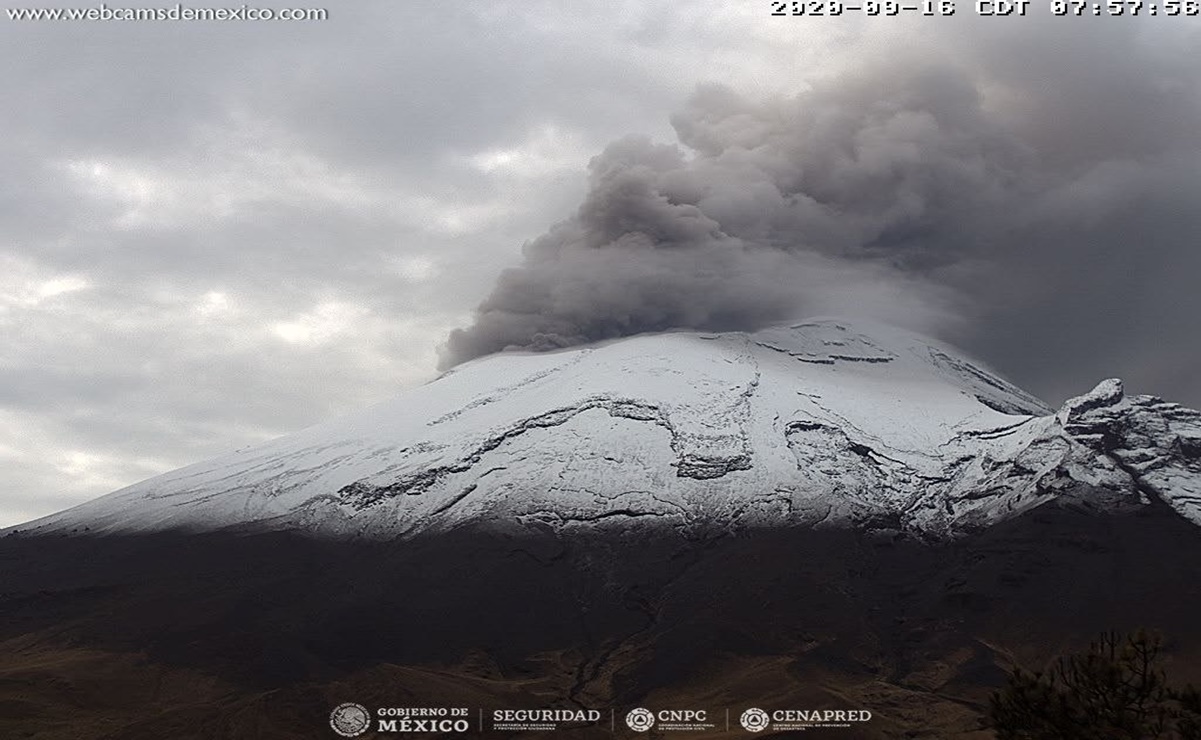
pixel 824 423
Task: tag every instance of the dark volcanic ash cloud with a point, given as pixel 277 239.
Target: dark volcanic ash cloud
pixel 1045 190
pixel 774 207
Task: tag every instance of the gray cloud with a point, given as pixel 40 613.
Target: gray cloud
pixel 896 169
pixel 216 233
pixel 1049 192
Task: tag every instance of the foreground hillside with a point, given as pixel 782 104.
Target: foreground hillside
pixel 260 636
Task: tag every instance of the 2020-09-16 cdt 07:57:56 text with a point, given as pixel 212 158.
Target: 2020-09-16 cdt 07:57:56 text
pixel 995 8
pixel 867 7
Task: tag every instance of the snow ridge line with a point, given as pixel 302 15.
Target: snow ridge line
pixel 362 494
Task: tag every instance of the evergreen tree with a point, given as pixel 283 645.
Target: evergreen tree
pixel 1115 691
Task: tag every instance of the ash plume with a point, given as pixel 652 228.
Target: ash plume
pixel 1012 190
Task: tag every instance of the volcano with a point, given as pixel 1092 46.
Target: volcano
pixel 833 514
pixel 823 423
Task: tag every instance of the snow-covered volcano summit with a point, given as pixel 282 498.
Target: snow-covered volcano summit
pixel 823 423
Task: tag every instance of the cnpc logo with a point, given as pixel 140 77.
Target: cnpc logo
pixel 642 719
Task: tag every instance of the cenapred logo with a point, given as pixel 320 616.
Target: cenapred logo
pixel 640 719
pixel 350 719
pixel 754 720
pixel 786 720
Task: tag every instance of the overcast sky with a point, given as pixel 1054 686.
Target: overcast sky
pixel 214 233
